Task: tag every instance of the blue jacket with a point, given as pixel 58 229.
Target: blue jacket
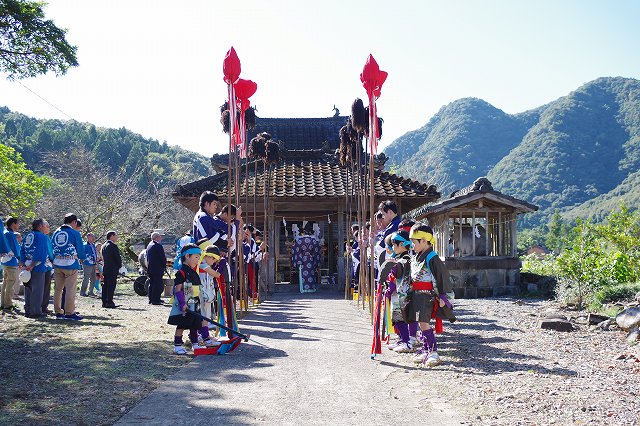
pixel 209 227
pixel 390 229
pixel 91 253
pixel 50 251
pixel 4 245
pixel 12 245
pixel 68 248
pixel 35 249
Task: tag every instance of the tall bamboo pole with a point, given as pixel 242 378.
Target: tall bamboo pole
pixel 373 134
pixel 230 173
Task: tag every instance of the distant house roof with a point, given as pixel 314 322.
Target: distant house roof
pixel 480 189
pixel 307 174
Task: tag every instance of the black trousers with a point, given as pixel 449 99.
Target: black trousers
pixel 108 288
pixel 156 287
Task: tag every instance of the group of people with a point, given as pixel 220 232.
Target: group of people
pixel 206 263
pixel 412 279
pixel 36 259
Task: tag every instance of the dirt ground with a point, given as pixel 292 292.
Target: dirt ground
pixel 498 367
pixel 84 372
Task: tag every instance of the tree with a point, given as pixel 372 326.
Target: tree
pixel 106 200
pixel 20 188
pixel 30 44
pixel 558 231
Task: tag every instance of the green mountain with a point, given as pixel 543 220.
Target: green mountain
pixel 577 154
pixel 463 141
pixel 153 163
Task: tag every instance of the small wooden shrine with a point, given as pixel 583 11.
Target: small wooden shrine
pixel 475 230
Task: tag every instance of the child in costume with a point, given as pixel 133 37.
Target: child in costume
pixel 405 225
pixel 186 289
pixel 209 274
pixel 399 284
pixel 427 297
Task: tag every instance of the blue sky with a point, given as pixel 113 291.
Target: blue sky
pixel 155 66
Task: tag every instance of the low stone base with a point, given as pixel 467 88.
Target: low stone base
pixel 484 277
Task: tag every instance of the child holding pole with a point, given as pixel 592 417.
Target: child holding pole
pixel 186 289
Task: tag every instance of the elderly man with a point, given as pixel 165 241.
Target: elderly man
pixel 112 265
pixel 89 266
pixel 156 264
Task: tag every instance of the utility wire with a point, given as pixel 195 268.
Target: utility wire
pixel 49 103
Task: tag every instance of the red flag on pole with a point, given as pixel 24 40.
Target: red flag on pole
pixel 244 89
pixel 231 67
pixel 372 79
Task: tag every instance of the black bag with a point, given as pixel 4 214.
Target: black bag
pixel 141 285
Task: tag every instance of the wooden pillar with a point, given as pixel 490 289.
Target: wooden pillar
pixel 274 239
pixel 460 238
pixel 514 242
pixel 341 236
pixel 486 234
pixel 473 233
pixel 500 233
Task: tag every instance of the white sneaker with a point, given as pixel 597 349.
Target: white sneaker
pixel 197 346
pixel 179 350
pixel 432 359
pixel 413 342
pixel 428 360
pixel 392 346
pixel 209 343
pixel 402 348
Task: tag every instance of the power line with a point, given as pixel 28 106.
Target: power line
pixel 49 103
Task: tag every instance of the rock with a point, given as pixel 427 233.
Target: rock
pixel 595 319
pixel 555 316
pixel 633 336
pixel 555 324
pixel 629 318
pixel 638 297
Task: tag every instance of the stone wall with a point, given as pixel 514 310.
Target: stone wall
pixel 476 277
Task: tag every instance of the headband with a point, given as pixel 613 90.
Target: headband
pixel 402 240
pixel 215 256
pixel 423 235
pixel 194 250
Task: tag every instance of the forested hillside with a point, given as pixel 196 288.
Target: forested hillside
pixel 578 154
pixel 154 163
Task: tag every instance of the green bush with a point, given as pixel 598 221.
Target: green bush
pixel 617 292
pixel 598 263
pixel 545 265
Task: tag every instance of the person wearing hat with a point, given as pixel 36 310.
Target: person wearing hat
pixel 156 265
pixel 34 254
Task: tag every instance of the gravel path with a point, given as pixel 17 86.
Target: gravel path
pixel 301 367
pixel 501 369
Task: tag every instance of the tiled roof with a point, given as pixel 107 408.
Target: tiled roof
pixel 308 173
pixel 301 133
pixel 481 188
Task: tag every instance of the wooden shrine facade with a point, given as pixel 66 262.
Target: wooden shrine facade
pixel 306 185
